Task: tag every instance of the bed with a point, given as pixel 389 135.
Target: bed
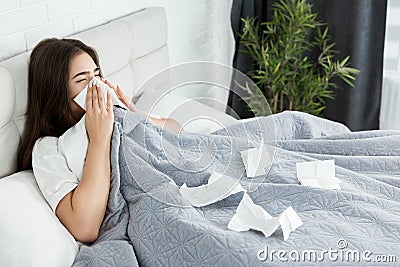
pixel 361 219
pixel 31 234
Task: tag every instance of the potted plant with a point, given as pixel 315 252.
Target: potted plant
pixel 288 77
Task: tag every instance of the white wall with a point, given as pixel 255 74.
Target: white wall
pixel 390 105
pixel 198 29
pixel 392 42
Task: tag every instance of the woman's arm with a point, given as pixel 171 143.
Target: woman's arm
pixel 82 210
pixel 163 122
pixel 168 123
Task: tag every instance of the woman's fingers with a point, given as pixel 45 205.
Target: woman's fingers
pixel 109 84
pixel 125 99
pixel 89 96
pixel 95 102
pixel 100 99
pixel 121 96
pixel 109 104
pixel 96 97
pixel 100 116
pixel 117 90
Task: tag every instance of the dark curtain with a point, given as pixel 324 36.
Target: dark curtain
pixel 242 61
pixel 358 29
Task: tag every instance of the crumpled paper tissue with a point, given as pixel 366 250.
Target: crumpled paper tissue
pixel 80 99
pixel 256 160
pixel 218 187
pixel 251 216
pixel 248 215
pixel 319 174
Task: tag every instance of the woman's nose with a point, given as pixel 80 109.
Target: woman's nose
pixel 90 76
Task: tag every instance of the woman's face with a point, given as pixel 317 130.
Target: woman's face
pixel 81 70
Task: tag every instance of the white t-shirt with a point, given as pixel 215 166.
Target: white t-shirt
pixel 58 162
pixel 51 171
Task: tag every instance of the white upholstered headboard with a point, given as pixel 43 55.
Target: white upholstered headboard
pixel 131 49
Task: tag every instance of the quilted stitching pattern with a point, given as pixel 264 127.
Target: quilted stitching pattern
pixel 141 229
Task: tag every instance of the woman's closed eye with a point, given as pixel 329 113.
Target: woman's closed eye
pixel 84 79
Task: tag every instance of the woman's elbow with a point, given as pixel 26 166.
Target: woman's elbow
pixel 86 234
pixel 169 123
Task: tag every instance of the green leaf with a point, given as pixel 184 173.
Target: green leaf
pixel 279 49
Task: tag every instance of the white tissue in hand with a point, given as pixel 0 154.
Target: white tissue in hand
pixel 80 99
pixel 218 187
pixel 255 160
pixel 251 216
pixel 318 174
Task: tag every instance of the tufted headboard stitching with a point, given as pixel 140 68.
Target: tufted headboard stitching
pixel 131 49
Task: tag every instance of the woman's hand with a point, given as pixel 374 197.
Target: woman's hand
pixel 163 122
pixel 82 210
pixel 99 116
pixel 121 96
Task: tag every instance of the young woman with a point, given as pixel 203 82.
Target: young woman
pixel 59 69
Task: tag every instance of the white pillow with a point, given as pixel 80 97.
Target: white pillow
pixel 194 116
pixel 30 233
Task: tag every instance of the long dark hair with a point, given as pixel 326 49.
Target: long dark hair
pixel 49 107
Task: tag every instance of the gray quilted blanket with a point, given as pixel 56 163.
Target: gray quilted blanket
pixel 147 222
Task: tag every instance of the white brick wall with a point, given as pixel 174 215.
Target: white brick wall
pixel 23 18
pixel 198 29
